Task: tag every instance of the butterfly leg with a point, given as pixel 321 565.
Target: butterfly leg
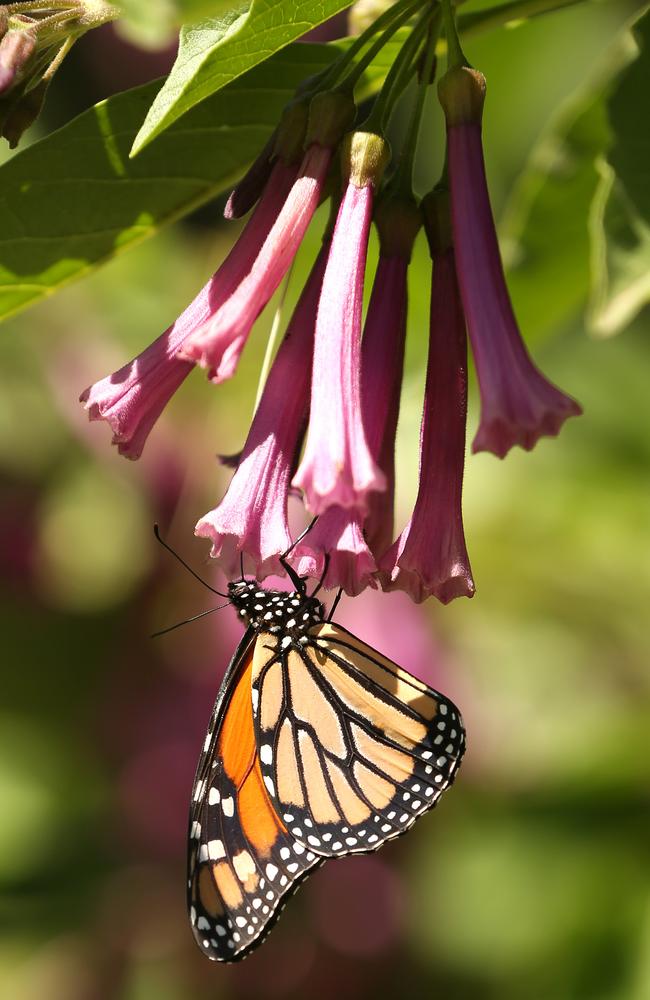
pixel 335 603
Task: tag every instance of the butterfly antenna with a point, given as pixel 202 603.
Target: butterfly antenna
pixel 170 628
pixel 156 531
pixel 297 581
pixel 241 565
pixel 300 537
pixel 335 604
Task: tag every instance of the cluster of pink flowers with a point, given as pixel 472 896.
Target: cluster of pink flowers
pixel 335 381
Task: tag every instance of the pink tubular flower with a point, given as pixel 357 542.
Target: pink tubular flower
pixel 252 517
pixel 430 556
pixel 382 357
pixel 132 399
pixel 338 533
pixel 518 405
pixel 343 534
pixel 337 468
pixel 217 346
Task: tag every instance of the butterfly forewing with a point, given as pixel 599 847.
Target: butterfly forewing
pixel 242 863
pixel 353 749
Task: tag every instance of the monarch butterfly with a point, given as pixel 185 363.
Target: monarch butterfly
pixel 317 747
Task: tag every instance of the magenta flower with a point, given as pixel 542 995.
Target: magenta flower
pixel 217 345
pixel 337 468
pixel 249 189
pixel 338 533
pixel 430 556
pixel 518 404
pixel 252 517
pixel 132 399
pixel 382 357
pixel 285 141
pixel 343 534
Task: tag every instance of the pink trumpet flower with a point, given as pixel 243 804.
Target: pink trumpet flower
pixel 252 517
pixel 217 345
pixel 343 534
pixel 337 536
pixel 430 556
pixel 518 404
pixel 382 356
pixel 337 468
pixel 132 398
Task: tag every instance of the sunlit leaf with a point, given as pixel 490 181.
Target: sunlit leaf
pixel 75 199
pixel 218 50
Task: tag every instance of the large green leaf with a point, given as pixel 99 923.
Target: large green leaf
pixel 216 51
pixel 621 215
pixel 75 199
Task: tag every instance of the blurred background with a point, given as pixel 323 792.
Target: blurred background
pixel 531 880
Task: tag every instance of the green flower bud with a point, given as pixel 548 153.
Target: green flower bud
pixel 330 116
pixel 364 157
pixel 436 211
pixel 290 135
pixel 461 91
pixel 398 220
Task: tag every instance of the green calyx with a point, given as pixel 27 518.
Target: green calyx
pixel 290 134
pixel 436 212
pixel 331 114
pixel 364 157
pixel 461 92
pixel 398 221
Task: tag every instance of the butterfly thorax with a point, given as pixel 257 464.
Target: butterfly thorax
pixel 275 611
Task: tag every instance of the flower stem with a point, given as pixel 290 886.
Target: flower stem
pixel 398 13
pixel 397 78
pixel 403 178
pixel 455 54
pixel 483 20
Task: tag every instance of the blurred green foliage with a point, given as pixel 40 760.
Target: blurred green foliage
pixel 531 880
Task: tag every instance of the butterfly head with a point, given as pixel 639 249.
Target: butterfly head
pixel 274 610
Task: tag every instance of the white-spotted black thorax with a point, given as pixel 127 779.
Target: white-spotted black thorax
pixel 275 611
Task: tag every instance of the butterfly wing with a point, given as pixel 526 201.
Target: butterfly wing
pixel 242 863
pixel 352 748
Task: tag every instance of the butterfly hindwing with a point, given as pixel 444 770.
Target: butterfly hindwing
pixel 242 863
pixel 352 748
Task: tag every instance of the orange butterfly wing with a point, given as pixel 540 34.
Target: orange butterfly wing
pixel 353 748
pixel 242 864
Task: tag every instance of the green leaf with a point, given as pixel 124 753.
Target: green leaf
pixel 620 221
pixel 216 51
pixel 75 199
pixel 549 226
pixel 545 232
